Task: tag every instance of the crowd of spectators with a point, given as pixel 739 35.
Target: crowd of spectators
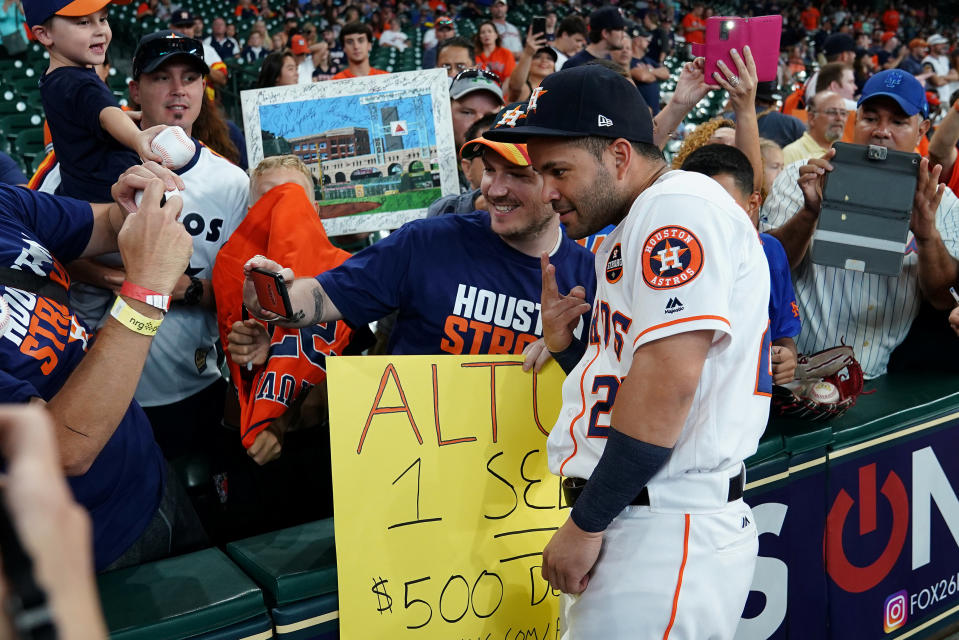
pixel 847 71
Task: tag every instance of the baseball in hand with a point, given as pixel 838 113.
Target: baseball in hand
pixel 138 196
pixel 174 146
pixel 824 392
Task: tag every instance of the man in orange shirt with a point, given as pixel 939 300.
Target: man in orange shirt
pixel 694 27
pixel 357 41
pixel 810 18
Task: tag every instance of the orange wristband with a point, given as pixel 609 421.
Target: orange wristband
pixel 152 298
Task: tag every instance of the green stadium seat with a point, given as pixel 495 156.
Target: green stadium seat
pixel 11 107
pixel 198 595
pixel 296 568
pixel 29 144
pixel 13 124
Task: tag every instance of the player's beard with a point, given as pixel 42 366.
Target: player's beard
pixel 598 207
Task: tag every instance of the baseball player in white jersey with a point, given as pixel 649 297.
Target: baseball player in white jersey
pixel 871 313
pixel 672 392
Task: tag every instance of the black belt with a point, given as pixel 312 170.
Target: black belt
pixel 573 487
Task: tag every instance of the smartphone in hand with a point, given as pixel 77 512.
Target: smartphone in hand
pixel 271 292
pixel 539 25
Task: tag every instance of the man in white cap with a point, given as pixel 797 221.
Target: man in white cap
pixel 938 63
pixel 507 31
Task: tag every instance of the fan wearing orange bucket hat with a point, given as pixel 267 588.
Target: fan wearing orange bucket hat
pixel 95 140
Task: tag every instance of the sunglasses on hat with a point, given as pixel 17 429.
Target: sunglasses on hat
pixel 149 53
pixel 477 73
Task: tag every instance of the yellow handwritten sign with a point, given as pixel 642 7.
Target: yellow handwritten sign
pixel 442 496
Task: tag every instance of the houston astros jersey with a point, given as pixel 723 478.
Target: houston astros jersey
pixel 685 258
pixel 182 358
pixel 869 312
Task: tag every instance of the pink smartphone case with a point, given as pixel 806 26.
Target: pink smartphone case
pixel 762 34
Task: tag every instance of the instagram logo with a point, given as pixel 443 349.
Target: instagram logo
pixel 894 611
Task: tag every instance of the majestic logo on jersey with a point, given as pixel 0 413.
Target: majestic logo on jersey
pixel 614 265
pixel 672 256
pixel 674 305
pixel 538 93
pixel 603 121
pixel 911 246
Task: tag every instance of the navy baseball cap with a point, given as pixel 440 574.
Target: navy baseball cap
pixel 899 85
pixel 514 152
pixel 161 47
pixel 39 11
pixel 183 16
pixel 838 43
pixel 589 100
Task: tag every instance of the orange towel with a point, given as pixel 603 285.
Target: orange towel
pixel 283 226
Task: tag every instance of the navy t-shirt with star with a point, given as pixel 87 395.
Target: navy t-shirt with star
pixel 458 287
pixel 42 344
pixel 90 159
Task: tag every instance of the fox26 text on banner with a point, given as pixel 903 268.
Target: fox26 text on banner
pixel 442 495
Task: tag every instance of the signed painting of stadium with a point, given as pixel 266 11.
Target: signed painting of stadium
pixel 380 148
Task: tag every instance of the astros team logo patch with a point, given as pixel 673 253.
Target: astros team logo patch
pixel 614 265
pixel 672 257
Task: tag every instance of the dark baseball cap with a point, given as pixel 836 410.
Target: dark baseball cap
pixel 163 46
pixel 838 43
pixel 182 17
pixel 589 100
pixel 514 152
pixel 768 91
pixel 899 85
pixel 39 11
pixel 550 51
pixel 606 18
pixel 636 30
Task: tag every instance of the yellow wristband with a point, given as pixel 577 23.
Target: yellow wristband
pixel 133 320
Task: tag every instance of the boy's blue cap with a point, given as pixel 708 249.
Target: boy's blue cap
pixel 39 11
pixel 899 85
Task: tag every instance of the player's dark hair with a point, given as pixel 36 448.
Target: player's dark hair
pixel 456 41
pixel 596 145
pixel 271 67
pixel 715 159
pixel 480 126
pixel 357 27
pixel 571 25
pixel 829 73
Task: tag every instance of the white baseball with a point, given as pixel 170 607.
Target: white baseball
pixel 825 392
pixel 138 196
pixel 174 146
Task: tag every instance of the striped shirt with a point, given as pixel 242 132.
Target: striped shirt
pixel 869 312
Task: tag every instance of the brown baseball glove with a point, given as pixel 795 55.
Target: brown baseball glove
pixel 801 398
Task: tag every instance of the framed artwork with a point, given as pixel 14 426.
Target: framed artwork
pixel 380 148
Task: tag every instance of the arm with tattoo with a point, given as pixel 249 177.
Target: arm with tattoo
pixel 309 302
